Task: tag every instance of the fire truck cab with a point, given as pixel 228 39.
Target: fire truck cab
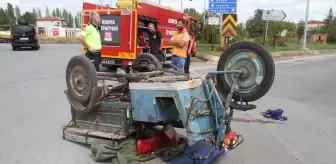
pixel 124 29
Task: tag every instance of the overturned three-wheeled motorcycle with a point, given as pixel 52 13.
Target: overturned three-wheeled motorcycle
pixel 108 108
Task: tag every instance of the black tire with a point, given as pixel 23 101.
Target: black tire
pixel 90 71
pixel 161 57
pixel 36 48
pixel 13 48
pixel 268 65
pixel 146 57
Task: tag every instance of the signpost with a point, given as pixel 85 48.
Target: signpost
pixel 213 21
pixel 225 7
pixel 272 15
pixel 229 23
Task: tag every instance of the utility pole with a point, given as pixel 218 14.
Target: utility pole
pixel 265 33
pixel 181 6
pixel 306 26
pixel 266 30
pixel 160 2
pixel 204 20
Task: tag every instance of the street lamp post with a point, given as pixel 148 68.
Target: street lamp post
pixel 181 6
pixel 306 26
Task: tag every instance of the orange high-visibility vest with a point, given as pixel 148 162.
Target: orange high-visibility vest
pixel 182 52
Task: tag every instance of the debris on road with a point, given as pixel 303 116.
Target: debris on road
pixel 274 114
pixel 124 152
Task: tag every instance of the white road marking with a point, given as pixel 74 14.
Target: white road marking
pixel 304 58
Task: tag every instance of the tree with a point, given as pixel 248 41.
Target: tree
pixel 275 31
pixel 300 30
pixel 290 29
pixel 47 12
pixel 54 13
pixel 30 16
pixel 255 26
pixel 241 32
pixel 3 17
pixel 35 13
pixel 10 12
pixel 71 20
pixel 78 20
pixel 58 12
pixel 64 14
pixel 39 15
pixel 329 26
pixel 17 12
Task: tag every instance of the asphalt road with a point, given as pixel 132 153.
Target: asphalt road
pixel 34 108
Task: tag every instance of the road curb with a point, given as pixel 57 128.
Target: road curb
pixel 214 59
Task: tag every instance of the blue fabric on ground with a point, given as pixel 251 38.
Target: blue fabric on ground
pixel 274 114
pixel 199 149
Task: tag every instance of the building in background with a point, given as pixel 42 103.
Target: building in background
pixel 312 24
pixel 55 27
pixel 318 38
pixel 314 34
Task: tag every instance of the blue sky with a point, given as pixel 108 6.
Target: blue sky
pixel 295 9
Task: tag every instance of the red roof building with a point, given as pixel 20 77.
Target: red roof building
pixel 314 24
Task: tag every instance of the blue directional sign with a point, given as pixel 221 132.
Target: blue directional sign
pixel 223 6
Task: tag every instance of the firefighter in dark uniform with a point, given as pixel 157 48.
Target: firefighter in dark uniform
pixel 155 42
pixel 90 38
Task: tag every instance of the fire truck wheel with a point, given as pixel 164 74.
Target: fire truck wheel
pixel 257 68
pixel 146 59
pixel 81 77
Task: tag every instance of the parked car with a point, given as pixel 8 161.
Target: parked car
pixel 24 34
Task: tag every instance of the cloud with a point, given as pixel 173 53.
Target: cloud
pixel 13 2
pixel 3 4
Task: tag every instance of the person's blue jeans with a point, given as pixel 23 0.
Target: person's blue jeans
pixel 178 63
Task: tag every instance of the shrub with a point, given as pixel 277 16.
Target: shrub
pixel 59 40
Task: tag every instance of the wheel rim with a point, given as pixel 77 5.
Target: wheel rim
pixel 250 64
pixel 79 80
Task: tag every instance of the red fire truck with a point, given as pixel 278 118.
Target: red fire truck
pixel 124 31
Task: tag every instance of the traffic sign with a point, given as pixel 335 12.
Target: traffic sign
pixel 223 6
pixel 229 24
pixel 213 21
pixel 273 15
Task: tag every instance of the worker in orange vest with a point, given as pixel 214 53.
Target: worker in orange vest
pixel 179 40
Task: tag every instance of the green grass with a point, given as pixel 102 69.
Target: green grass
pixel 205 49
